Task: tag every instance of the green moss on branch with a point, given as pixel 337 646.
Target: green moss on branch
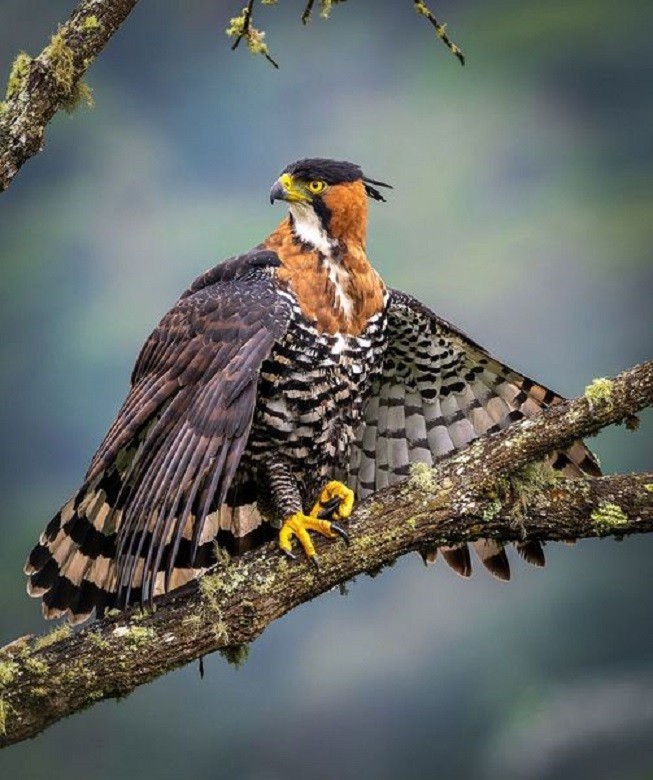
pixel 599 392
pixel 609 516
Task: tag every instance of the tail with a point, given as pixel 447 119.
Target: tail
pixel 73 567
pixel 577 461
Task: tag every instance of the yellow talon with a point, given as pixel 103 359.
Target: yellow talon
pixel 298 525
pixel 333 490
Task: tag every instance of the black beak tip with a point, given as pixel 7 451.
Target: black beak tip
pixel 277 192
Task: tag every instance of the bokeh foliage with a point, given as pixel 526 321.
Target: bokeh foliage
pixel 522 210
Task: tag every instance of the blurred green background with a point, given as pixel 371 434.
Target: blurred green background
pixel 522 211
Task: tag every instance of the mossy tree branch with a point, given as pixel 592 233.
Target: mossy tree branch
pixel 40 87
pixel 489 490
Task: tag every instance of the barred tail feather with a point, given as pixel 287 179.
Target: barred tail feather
pixel 532 552
pixel 493 556
pixel 73 567
pixel 458 558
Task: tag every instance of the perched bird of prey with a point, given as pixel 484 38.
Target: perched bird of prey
pixel 284 384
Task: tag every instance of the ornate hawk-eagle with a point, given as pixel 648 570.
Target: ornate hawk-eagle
pixel 283 384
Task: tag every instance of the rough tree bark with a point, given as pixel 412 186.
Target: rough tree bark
pixel 493 489
pixel 40 87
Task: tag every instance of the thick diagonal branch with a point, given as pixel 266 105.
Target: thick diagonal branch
pixel 41 86
pixel 482 492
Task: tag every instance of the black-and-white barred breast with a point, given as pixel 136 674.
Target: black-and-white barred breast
pixel 311 396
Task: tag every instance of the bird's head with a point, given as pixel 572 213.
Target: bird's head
pixel 327 200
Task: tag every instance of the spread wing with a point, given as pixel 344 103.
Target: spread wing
pixel 173 448
pixel 438 392
pixel 194 386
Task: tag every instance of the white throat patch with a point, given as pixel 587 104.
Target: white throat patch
pixel 309 229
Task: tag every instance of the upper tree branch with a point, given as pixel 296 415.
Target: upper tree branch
pixel 40 87
pixel 481 492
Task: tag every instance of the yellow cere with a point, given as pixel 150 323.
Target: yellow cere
pixel 294 191
pixel 298 190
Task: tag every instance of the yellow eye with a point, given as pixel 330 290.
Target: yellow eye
pixel 316 186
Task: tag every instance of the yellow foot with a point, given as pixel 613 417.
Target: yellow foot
pixel 336 500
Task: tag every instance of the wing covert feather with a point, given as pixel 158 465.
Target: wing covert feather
pixel 439 391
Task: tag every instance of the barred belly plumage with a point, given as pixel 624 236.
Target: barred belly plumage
pixel 311 394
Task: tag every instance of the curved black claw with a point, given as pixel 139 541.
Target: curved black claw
pixel 329 507
pixel 289 554
pixel 341 532
pixel 316 562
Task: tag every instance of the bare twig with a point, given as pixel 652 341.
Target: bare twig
pixel 325 9
pixel 308 10
pixel 241 27
pixel 247 19
pixel 440 29
pixel 463 498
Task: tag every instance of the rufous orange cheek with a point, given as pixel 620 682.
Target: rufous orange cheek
pixel 347 204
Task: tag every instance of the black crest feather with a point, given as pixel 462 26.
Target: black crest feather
pixel 372 191
pixel 335 172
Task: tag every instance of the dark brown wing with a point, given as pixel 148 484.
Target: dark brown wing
pixel 173 448
pixel 438 392
pixel 176 352
pixel 209 349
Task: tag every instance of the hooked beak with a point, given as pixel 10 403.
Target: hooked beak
pixel 286 188
pixel 278 192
